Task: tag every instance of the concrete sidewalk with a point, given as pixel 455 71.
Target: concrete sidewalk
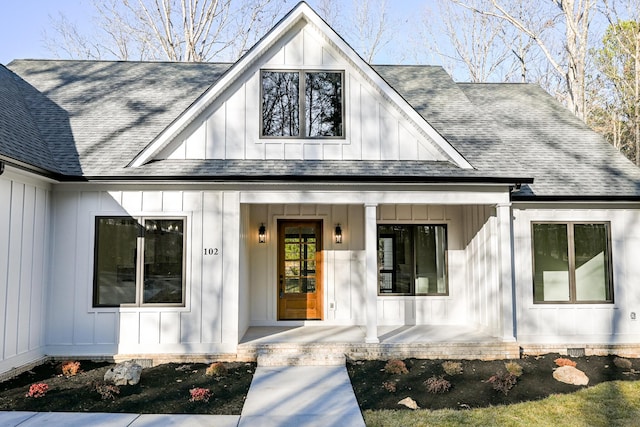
pixel 300 396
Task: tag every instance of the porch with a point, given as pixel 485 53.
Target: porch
pixel 416 341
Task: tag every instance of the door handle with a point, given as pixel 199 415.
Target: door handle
pixel 281 286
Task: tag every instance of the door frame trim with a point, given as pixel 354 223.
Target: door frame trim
pixel 276 251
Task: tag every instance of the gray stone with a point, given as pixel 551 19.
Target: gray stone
pixel 125 373
pixel 570 375
pixel 409 403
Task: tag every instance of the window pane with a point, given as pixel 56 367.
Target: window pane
pixel 163 247
pixel 115 269
pixel 551 262
pixel 592 266
pixel 431 248
pixel 400 239
pixel 323 101
pixel 280 103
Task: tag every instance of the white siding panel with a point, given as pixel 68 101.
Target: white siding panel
pixel 5 248
pixel 152 201
pixel 389 144
pixel 312 48
pixel 293 152
pixel 60 322
pixel 332 152
pixel 312 152
pixel 171 202
pixel 191 321
pixel 83 326
pixel 132 201
pixel 328 59
pixel 294 50
pixel 370 127
pixel 195 143
pixel 274 151
pixel 129 328
pixel 236 125
pixel 352 150
pixel 106 324
pixel 216 133
pixel 40 274
pixel 26 273
pixel 210 304
pixel 254 148
pixel 169 328
pixel 149 328
pixel 13 271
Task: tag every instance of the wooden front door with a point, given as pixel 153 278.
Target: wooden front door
pixel 300 270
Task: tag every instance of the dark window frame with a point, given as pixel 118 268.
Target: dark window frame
pixel 413 254
pixel 138 273
pixel 571 262
pixel 302 109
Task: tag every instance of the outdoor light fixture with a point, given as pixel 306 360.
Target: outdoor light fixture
pixel 262 234
pixel 338 234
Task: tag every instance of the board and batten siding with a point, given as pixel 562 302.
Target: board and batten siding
pixel 25 204
pixel 375 129
pixel 580 323
pixel 212 221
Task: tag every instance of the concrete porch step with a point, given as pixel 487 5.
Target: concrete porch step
pixel 300 354
pixel 272 358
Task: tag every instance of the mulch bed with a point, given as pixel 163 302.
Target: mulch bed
pixel 163 389
pixel 471 388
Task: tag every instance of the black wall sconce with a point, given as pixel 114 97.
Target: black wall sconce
pixel 262 234
pixel 338 234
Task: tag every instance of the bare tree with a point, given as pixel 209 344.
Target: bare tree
pixel 365 24
pixel 175 30
pixel 570 63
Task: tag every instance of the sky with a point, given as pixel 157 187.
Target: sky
pixel 23 23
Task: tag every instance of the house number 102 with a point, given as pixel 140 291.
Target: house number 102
pixel 211 251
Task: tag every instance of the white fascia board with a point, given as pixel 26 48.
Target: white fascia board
pixel 301 12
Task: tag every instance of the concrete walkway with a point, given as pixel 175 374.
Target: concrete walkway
pixel 300 396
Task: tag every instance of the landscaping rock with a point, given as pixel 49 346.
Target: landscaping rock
pixel 409 403
pixel 570 375
pixel 125 373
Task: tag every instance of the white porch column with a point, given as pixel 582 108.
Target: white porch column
pixel 505 252
pixel 371 277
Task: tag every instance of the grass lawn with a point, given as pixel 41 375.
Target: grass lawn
pixel 615 403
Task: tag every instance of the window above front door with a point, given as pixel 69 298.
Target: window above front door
pixel 302 104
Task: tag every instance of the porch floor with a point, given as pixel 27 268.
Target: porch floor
pixel 423 341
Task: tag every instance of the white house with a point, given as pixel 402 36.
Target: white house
pixel 180 210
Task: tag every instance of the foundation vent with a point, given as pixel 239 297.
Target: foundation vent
pixel 575 352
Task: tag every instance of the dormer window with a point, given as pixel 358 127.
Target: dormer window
pixel 314 96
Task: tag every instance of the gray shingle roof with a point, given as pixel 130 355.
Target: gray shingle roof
pixel 20 138
pixel 554 147
pixel 96 116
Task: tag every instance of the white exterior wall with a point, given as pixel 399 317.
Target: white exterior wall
pixel 25 204
pixel 580 323
pixel 375 128
pixel 209 321
pixel 483 302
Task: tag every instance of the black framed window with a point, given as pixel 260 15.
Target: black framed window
pixel 572 263
pixel 302 104
pixel 412 259
pixel 138 261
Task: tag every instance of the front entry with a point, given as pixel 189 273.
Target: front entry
pixel 300 270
